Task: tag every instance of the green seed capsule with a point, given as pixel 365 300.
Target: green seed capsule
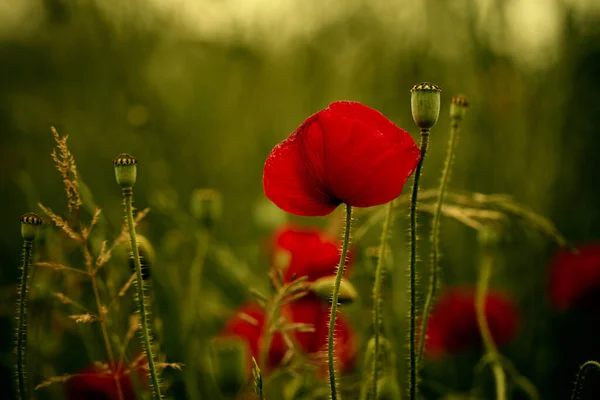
pixel 425 104
pixel 30 223
pixel 125 170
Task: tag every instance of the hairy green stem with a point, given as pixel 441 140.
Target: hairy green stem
pixel 21 342
pixel 334 304
pixel 141 296
pixel 413 262
pixel 378 295
pixel 581 378
pixel 435 236
pixel 486 336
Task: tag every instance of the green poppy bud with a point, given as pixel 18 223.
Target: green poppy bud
pixel 125 170
pixel 458 107
pixel 323 288
pixel 206 206
pixel 425 104
pixel 30 223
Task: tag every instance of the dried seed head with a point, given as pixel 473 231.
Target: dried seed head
pixel 323 288
pixel 425 104
pixel 147 256
pixel 206 206
pixel 458 107
pixel 125 170
pixel 230 364
pixel 30 223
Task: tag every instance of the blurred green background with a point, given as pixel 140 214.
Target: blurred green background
pixel 200 91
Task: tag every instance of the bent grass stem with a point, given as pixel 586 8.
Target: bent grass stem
pixel 334 304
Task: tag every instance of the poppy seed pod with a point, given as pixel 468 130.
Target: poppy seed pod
pixel 458 107
pixel 147 256
pixel 206 206
pixel 125 170
pixel 323 288
pixel 29 225
pixel 425 104
pixel 230 364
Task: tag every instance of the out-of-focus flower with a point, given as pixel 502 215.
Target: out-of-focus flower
pixel 248 324
pixel 575 277
pixel 453 326
pixel 347 153
pixel 95 383
pixel 302 251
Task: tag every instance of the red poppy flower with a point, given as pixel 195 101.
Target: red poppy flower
pixel 347 153
pixel 93 383
pixel 310 251
pixel 308 310
pixel 453 327
pixel 575 278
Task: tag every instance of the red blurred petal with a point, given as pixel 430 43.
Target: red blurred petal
pixel 574 276
pixel 453 327
pixel 93 383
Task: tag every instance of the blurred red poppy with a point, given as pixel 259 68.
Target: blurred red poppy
pixel 94 383
pixel 453 326
pixel 575 278
pixel 347 153
pixel 308 310
pixel 307 252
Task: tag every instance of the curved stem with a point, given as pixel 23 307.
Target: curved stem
pixel 486 336
pixel 413 261
pixel 21 341
pixel 334 303
pixel 141 296
pixel 435 236
pixel 378 295
pixel 581 377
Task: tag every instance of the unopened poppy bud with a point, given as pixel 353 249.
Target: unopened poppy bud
pixel 386 352
pixel 147 256
pixel 388 389
pixel 30 223
pixel 230 364
pixel 425 104
pixel 206 206
pixel 323 288
pixel 489 236
pixel 125 170
pixel 458 107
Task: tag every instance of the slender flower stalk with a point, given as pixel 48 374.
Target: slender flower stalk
pixel 457 109
pixel 425 107
pixel 126 174
pixel 581 378
pixel 30 223
pixel 334 304
pixel 378 297
pixel 487 237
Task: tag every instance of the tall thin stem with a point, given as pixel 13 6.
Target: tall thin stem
pixel 486 336
pixel 435 236
pixel 334 303
pixel 21 341
pixel 141 296
pixel 378 295
pixel 413 262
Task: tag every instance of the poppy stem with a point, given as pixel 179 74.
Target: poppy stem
pixel 21 343
pixel 141 296
pixel 581 378
pixel 378 296
pixel 423 146
pixel 334 304
pixel 435 235
pixel 486 336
